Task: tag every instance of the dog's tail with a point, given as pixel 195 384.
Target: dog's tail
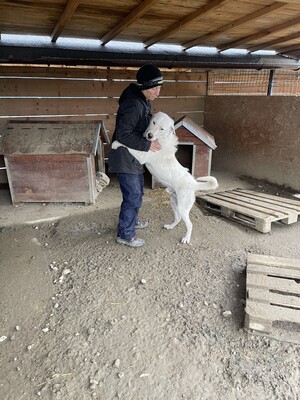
pixel 207 183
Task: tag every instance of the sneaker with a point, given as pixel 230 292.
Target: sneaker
pixel 141 224
pixel 134 242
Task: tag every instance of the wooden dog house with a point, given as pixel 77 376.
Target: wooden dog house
pixel 53 161
pixel 189 133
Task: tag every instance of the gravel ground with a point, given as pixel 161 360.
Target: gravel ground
pixel 85 318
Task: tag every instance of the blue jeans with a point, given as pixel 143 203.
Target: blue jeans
pixel 132 188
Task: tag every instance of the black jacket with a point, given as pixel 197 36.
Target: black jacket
pixel 133 117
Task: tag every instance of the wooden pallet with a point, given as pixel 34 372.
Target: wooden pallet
pixel 253 209
pixel 273 295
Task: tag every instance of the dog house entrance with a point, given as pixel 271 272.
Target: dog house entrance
pixel 185 155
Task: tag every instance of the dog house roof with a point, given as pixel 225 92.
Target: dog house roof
pixel 197 131
pixel 50 137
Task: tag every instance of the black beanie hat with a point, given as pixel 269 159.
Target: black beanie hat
pixel 149 76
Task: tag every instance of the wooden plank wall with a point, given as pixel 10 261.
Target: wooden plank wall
pixel 62 93
pixel 77 93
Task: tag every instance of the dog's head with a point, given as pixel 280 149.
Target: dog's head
pixel 160 126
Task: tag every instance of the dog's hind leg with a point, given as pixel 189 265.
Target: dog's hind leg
pixel 174 206
pixel 185 203
pixel 189 226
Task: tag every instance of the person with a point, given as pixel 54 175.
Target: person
pixel 133 117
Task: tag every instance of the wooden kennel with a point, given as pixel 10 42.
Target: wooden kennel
pixel 53 161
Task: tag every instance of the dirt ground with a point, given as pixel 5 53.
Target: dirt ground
pixel 85 318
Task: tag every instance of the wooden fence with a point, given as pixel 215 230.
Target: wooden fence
pixel 62 93
pixel 83 93
pixel 89 93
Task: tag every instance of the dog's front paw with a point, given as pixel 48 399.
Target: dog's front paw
pixel 115 144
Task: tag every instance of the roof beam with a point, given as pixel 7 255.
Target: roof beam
pixel 232 25
pixel 265 45
pixel 289 49
pixel 184 22
pixel 135 14
pixel 64 19
pixel 260 34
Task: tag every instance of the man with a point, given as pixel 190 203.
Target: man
pixel 133 117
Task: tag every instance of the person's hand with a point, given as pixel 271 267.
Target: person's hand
pixel 155 146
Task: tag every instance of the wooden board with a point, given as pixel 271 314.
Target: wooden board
pixel 273 295
pixel 253 209
pixel 63 106
pixel 52 178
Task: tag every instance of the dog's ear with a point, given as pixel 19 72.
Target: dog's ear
pixel 173 129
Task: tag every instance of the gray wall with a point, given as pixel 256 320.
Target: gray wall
pixel 256 136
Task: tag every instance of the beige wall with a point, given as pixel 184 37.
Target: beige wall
pixel 256 136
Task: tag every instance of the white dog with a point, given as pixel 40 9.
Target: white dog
pixel 165 168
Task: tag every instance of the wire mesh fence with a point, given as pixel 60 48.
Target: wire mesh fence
pixel 251 82
pixel 286 83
